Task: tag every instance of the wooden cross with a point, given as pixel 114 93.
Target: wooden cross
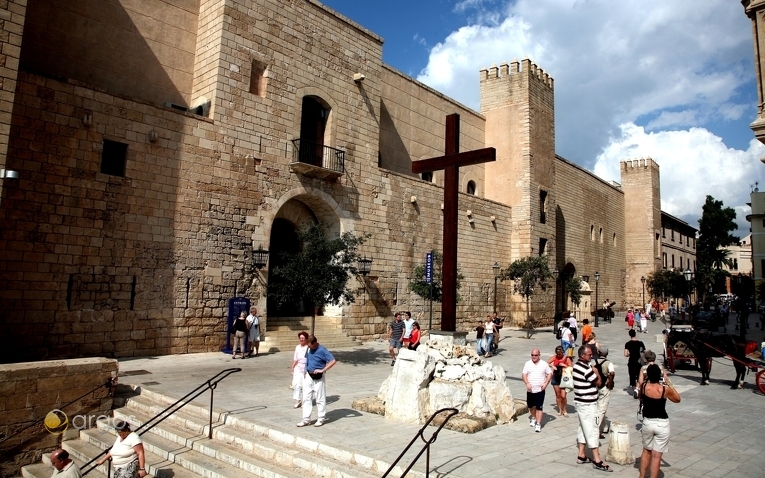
pixel 450 163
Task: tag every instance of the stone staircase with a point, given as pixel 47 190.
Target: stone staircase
pixel 281 333
pixel 178 447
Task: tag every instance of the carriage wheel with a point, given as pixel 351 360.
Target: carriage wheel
pixel 671 359
pixel 760 380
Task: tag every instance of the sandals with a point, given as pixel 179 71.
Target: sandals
pixel 581 460
pixel 601 466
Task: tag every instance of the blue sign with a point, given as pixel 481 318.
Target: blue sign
pixel 429 268
pixel 235 306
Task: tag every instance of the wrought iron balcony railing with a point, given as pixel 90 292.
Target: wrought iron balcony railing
pixel 314 154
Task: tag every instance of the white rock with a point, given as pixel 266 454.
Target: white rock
pixel 500 400
pixel 449 395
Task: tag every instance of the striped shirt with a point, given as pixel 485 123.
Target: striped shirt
pixel 585 379
pixel 397 330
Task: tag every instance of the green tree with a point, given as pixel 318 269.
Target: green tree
pixel 573 288
pixel 528 274
pixel 318 274
pixel 716 227
pixel 666 283
pixel 422 288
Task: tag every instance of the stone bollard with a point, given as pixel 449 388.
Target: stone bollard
pixel 619 444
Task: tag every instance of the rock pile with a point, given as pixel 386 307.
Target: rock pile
pixel 442 375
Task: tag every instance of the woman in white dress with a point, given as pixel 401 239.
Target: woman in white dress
pixel 127 453
pixel 298 369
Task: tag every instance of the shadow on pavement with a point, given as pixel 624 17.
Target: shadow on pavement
pixel 363 356
pixel 340 413
pixel 451 465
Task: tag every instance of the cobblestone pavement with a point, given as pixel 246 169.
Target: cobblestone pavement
pixel 716 431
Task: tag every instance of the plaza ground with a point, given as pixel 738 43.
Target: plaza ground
pixel 716 431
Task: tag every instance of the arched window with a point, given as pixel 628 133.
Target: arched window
pixel 600 235
pixel 471 188
pixel 614 239
pixel 592 233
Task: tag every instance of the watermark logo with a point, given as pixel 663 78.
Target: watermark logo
pixel 57 422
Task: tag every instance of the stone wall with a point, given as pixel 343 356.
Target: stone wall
pixel 141 48
pixel 591 229
pixel 29 391
pixel 12 17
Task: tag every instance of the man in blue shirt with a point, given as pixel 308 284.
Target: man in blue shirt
pixel 317 361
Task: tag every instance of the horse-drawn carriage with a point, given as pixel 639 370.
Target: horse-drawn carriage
pixel 684 344
pixel 605 314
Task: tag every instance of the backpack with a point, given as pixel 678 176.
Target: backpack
pixel 559 332
pixel 604 375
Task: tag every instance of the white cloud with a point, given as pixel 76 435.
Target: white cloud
pixel 612 62
pixel 694 163
pixel 651 62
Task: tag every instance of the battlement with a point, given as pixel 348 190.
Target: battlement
pixel 637 165
pixel 515 69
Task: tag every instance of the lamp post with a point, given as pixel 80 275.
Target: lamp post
pixel 495 268
pixel 642 279
pixel 597 279
pixel 555 302
pixel 688 276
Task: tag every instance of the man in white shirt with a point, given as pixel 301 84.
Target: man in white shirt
pixel 536 375
pixel 65 467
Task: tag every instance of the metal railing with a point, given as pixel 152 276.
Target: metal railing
pixel 428 442
pixel 210 384
pixel 316 154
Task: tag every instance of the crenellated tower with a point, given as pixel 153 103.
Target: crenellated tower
pixel 642 224
pixel 518 103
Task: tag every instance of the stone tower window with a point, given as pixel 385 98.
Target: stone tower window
pixel 614 240
pixel 258 79
pixel 428 176
pixel 542 246
pixel 542 206
pixel 592 233
pixel 114 158
pixel 600 235
pixel 471 188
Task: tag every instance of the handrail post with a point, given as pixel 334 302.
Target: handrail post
pixel 212 395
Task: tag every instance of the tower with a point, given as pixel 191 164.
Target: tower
pixel 518 103
pixel 642 228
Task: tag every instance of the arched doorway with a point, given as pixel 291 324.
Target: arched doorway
pixel 293 215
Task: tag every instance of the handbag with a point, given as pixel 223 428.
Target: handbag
pixel 316 376
pixel 567 379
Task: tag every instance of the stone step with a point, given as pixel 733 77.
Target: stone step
pixel 94 440
pixel 237 448
pixel 273 445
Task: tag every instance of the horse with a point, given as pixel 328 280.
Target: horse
pixel 705 345
pixel 604 313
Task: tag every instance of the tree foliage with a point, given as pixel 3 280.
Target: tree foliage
pixel 422 288
pixel 573 288
pixel 716 227
pixel 527 274
pixel 318 274
pixel 666 283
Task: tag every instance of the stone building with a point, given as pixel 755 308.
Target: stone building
pixel 158 144
pixel 678 243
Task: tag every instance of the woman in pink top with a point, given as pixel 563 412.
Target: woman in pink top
pixel 298 369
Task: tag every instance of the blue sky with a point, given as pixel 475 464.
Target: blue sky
pixel 671 80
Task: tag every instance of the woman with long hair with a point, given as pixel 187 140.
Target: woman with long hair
pixel 558 362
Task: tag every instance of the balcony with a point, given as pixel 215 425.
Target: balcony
pixel 316 160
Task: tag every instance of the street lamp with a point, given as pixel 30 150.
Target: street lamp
pixel 688 276
pixel 365 266
pixel 597 279
pixel 555 274
pixel 495 268
pixel 642 279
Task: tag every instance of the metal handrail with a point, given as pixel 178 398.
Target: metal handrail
pixel 317 154
pixel 210 384
pixel 428 442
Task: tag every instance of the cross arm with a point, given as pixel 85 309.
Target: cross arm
pixel 467 158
